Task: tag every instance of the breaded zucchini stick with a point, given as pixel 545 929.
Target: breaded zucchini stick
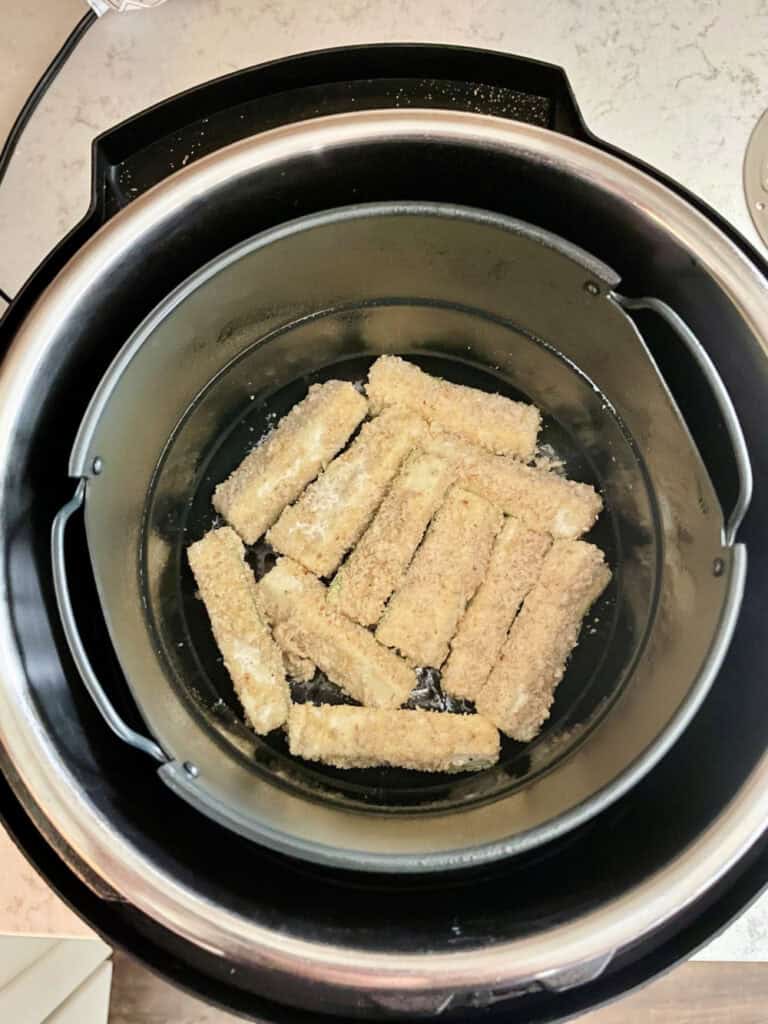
pixel 276 472
pixel 541 500
pixel 427 741
pixel 497 423
pixel 251 656
pixel 520 690
pixel 334 511
pixel 305 626
pixel 298 668
pixel 377 565
pixel 423 614
pixel 515 565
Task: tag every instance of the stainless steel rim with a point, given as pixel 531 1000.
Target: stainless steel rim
pixel 589 940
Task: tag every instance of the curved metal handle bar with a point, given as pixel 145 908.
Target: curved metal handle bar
pixel 74 640
pixel 721 397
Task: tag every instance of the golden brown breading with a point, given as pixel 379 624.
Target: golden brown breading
pixel 495 422
pixel 305 626
pixel 377 565
pixel 520 690
pixel 542 501
pixel 296 667
pixel 276 472
pixel 445 572
pixel 515 564
pixel 427 741
pixel 251 656
pixel 333 512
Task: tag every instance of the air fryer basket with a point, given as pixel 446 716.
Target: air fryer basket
pixel 480 299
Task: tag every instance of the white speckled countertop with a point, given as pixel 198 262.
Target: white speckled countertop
pixel 680 83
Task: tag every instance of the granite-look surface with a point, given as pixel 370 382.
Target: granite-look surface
pixel 27 905
pixel 678 82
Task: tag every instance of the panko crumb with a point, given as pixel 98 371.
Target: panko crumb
pixel 427 741
pixel 520 690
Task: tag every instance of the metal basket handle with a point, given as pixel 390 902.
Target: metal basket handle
pixel 74 640
pixel 721 397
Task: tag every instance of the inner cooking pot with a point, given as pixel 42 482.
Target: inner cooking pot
pixel 479 299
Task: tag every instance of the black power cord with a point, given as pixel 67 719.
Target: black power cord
pixel 33 100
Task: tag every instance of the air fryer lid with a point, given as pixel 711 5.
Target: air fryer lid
pixel 314 941
pixel 481 299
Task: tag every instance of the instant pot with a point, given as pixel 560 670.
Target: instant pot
pixel 202 188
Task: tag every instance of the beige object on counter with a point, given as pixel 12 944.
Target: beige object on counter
pixel 540 499
pixel 516 561
pixel 497 423
pixel 305 625
pixel 252 658
pixel 427 741
pixel 276 472
pixel 377 565
pixel 520 690
pixel 423 614
pixel 331 515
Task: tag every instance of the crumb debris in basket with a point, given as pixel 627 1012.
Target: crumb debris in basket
pixel 520 690
pixel 251 656
pixel 499 424
pixel 333 512
pixel 515 563
pixel 276 472
pixel 455 549
pixel 447 569
pixel 305 625
pixel 377 565
pixel 427 741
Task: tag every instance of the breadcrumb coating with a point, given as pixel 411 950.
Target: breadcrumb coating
pixel 492 421
pixel 541 500
pixel 423 614
pixel 427 741
pixel 456 550
pixel 305 625
pixel 516 561
pixel 276 472
pixel 377 565
pixel 298 668
pixel 333 512
pixel 251 656
pixel 520 690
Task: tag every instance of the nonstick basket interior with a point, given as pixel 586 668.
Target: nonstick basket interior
pixel 612 633
pixel 477 299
